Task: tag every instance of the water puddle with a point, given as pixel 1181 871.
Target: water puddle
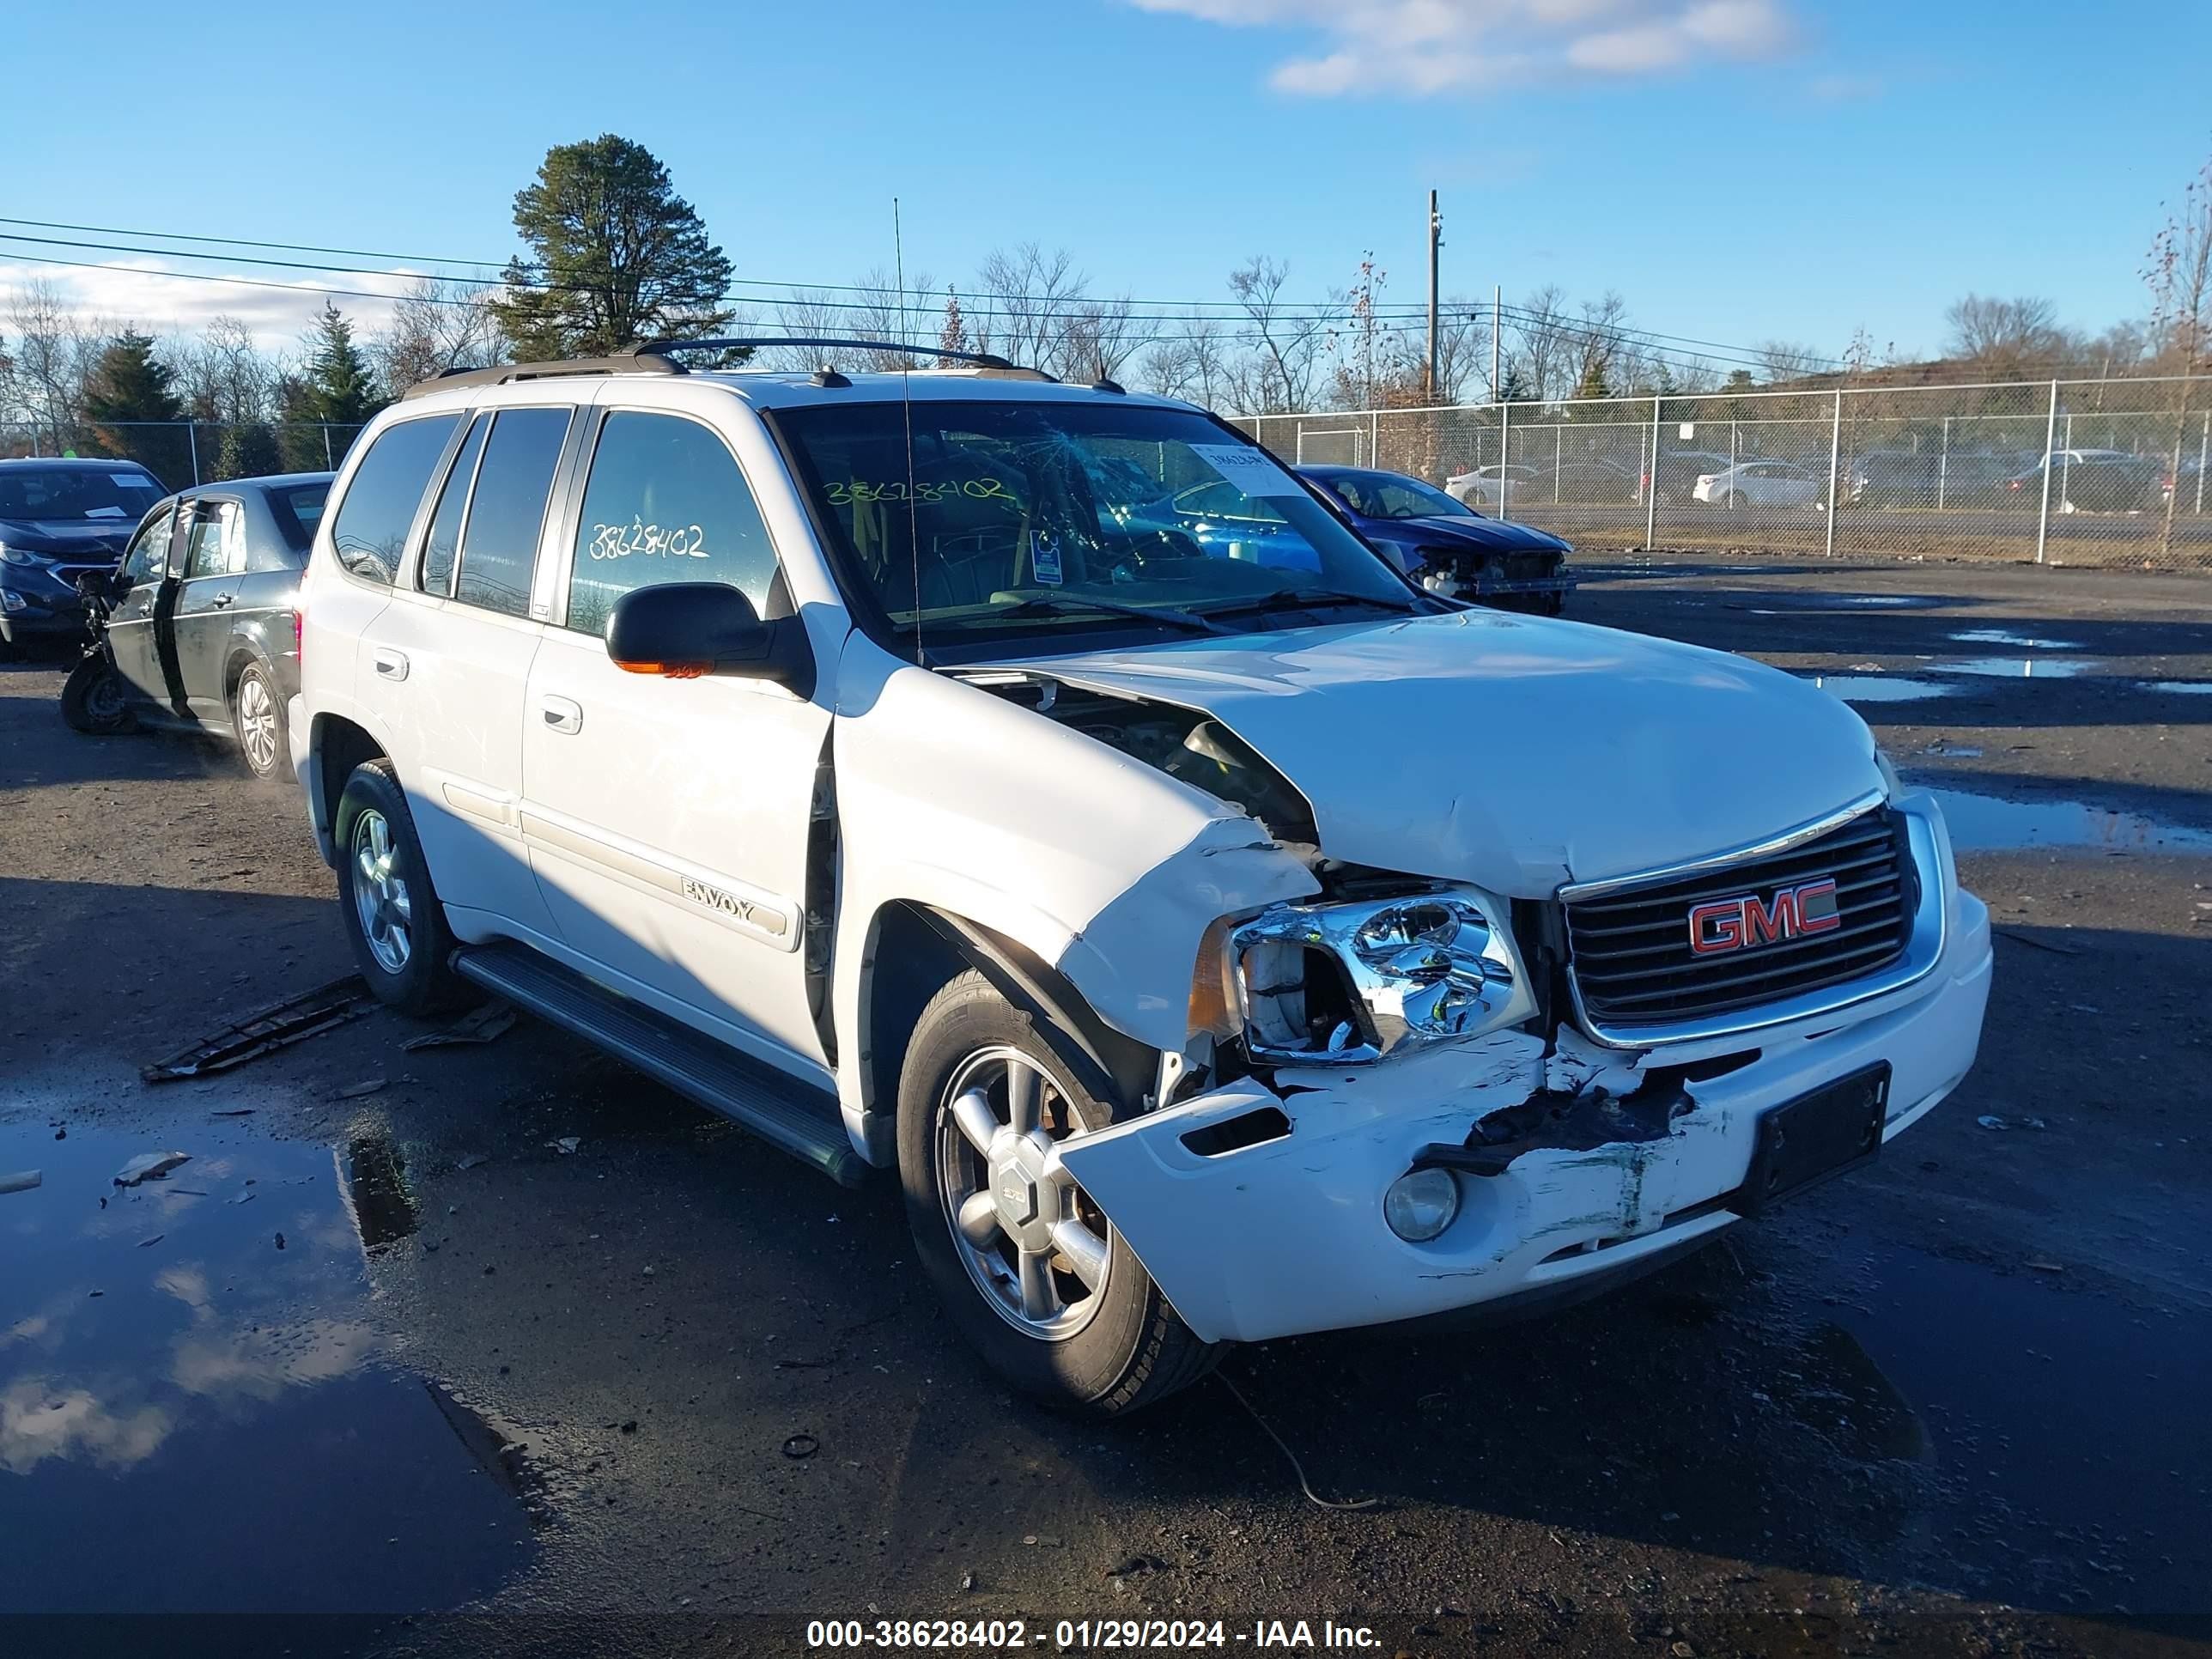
pixel 1886 601
pixel 2005 636
pixel 2017 668
pixel 198 1412
pixel 2178 688
pixel 1879 688
pixel 1986 823
pixel 2040 1399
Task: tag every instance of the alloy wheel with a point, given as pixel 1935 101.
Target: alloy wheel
pixel 256 724
pixel 380 893
pixel 1035 1246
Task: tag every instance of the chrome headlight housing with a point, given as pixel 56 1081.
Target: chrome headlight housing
pixel 1327 983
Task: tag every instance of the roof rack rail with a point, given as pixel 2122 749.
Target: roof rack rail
pixel 660 349
pixel 503 374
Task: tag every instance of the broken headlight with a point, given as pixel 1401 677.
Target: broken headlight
pixel 1326 984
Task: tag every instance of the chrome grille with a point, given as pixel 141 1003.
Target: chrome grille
pixel 1630 951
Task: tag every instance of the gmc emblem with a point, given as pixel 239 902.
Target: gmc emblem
pixel 1743 923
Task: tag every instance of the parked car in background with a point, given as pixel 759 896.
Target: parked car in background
pixel 1927 477
pixel 1487 485
pixel 1584 483
pixel 60 519
pixel 2092 481
pixel 202 626
pixel 1446 545
pixel 1680 469
pixel 1760 483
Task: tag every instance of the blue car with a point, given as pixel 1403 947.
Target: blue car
pixel 1445 544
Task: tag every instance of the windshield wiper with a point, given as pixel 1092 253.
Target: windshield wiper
pixel 1051 604
pixel 1302 599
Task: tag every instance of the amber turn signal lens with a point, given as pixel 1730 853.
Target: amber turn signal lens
pixel 1213 995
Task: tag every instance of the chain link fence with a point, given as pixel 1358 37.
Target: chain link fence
pixel 184 453
pixel 2090 472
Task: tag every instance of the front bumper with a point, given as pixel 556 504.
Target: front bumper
pixel 1287 1236
pixel 26 614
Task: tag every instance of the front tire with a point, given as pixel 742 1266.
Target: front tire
pixel 257 717
pixel 94 701
pixel 1035 1279
pixel 392 917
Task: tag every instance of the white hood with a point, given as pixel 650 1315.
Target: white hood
pixel 1516 752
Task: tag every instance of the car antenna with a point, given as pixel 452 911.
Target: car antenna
pixel 906 404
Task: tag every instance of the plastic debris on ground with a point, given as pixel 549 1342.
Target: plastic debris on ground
pixel 150 1166
pixel 485 1023
pixel 267 1030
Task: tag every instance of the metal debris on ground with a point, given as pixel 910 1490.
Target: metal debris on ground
pixel 566 1144
pixel 21 1182
pixel 304 1016
pixel 363 1090
pixel 150 1166
pixel 486 1023
pixel 1297 1467
pixel 1989 1121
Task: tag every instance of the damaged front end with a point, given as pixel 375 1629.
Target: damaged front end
pixel 1386 1108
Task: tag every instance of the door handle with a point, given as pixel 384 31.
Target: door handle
pixel 390 664
pixel 561 715
pixel 223 599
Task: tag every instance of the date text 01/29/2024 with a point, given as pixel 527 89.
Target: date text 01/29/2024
pixel 1086 1635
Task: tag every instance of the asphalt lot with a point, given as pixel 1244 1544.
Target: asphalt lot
pixel 387 1367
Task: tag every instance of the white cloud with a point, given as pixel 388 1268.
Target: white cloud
pixel 1425 47
pixel 137 292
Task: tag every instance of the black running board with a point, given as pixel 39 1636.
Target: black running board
pixel 781 1110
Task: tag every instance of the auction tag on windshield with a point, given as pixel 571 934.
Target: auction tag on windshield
pixel 1044 558
pixel 1252 470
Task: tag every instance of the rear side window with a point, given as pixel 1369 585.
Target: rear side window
pixel 443 544
pixel 370 531
pixel 297 510
pixel 506 508
pixel 665 504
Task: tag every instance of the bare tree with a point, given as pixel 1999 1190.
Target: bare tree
pixel 436 325
pixel 2179 275
pixel 2005 339
pixel 224 375
pixel 1543 338
pixel 55 352
pixel 1027 300
pixel 1193 364
pixel 1281 371
pixel 1788 360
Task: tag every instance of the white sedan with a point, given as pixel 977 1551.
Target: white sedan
pixel 1758 483
pixel 1487 486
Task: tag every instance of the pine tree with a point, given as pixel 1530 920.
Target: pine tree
pixel 130 386
pixel 616 257
pixel 248 450
pixel 336 390
pixel 1594 383
pixel 1516 389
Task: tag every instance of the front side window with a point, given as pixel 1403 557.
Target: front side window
pixel 216 545
pixel 149 557
pixel 1028 518
pixel 666 502
pixel 506 508
pixel 370 532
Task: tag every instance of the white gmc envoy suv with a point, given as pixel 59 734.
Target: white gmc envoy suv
pixel 1038 789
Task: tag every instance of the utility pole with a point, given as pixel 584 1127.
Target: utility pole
pixel 1435 225
pixel 1496 331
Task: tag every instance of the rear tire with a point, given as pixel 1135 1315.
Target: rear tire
pixel 94 700
pixel 392 917
pixel 1056 1303
pixel 256 716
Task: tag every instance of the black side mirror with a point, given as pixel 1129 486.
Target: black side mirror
pixel 685 629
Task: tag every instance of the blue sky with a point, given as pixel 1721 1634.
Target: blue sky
pixel 1739 169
